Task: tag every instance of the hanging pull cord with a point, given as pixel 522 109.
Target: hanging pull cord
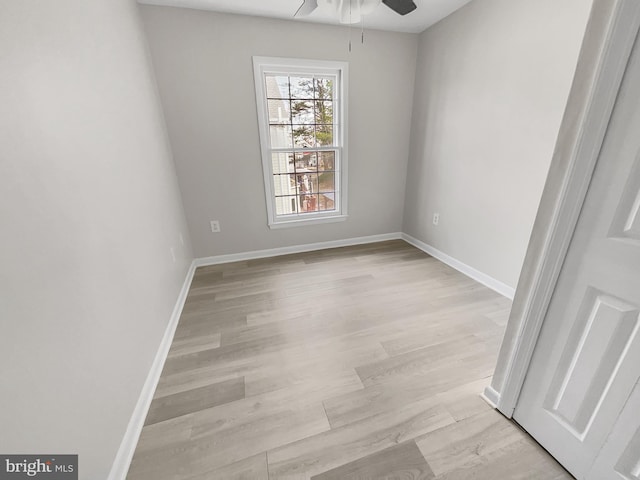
pixel 350 26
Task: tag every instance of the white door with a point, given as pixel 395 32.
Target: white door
pixel 587 359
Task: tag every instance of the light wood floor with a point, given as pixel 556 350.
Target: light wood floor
pixel 355 363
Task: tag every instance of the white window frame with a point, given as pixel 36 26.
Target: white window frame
pixel 292 66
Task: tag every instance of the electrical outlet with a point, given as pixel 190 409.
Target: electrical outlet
pixel 436 218
pixel 215 226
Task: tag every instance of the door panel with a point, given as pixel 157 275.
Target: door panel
pixel 620 457
pixel 587 359
pixel 626 225
pixel 602 336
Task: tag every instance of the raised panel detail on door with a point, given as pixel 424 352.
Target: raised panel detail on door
pixel 626 224
pixel 629 464
pixel 620 457
pixel 599 343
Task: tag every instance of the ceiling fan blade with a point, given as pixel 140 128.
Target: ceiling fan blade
pixel 306 8
pixel 401 6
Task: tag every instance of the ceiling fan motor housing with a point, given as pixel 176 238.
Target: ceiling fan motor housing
pixel 350 11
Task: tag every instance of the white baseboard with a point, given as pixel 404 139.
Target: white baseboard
pixel 491 396
pixel 478 276
pixel 309 247
pixel 136 422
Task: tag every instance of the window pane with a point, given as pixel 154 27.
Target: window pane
pixel 301 87
pixel 327 181
pixel 306 162
pixel 280 136
pixel 302 112
pixel 324 135
pixel 282 162
pixel 309 203
pixel 324 112
pixel 324 88
pixel 327 201
pixel 284 185
pixel 326 161
pixel 286 205
pixel 303 136
pixel 279 111
pixel 277 86
pixel 307 183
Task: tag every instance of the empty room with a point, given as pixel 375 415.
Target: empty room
pixel 320 239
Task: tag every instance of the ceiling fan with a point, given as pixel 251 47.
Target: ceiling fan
pixel 351 11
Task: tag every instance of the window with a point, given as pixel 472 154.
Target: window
pixel 302 119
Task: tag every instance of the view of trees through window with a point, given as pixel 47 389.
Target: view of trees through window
pixel 302 136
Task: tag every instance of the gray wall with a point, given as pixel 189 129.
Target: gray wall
pixel 492 82
pixel 203 63
pixel 89 208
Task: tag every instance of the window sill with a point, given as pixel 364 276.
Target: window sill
pixel 307 221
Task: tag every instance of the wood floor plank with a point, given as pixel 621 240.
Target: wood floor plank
pixel 252 468
pixel 179 404
pixel 397 391
pixel 474 438
pixel 402 461
pixel 218 440
pixel 192 344
pixel 204 323
pixel 320 453
pixel 320 382
pixel 458 350
pixel 450 327
pixel 184 381
pixel 163 435
pixel 483 446
pixel 464 401
pixel 522 460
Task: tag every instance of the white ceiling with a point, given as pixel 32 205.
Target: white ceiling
pixel 383 18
